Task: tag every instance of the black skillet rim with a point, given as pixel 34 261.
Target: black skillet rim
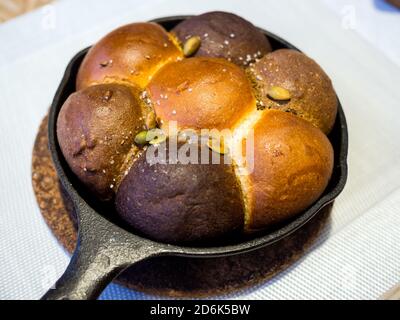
pixel 245 246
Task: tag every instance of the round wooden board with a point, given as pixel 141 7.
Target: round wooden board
pixel 172 276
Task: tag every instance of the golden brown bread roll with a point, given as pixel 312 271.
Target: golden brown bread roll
pixel 95 129
pixel 201 93
pixel 311 94
pixel 293 163
pixel 130 54
pixel 100 131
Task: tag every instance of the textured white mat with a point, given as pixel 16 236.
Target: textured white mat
pixel 359 257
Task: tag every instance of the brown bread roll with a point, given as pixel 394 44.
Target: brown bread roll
pixel 311 94
pixel 224 35
pixel 95 130
pixel 201 93
pixel 130 54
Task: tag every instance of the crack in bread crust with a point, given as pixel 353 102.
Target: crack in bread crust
pixel 175 41
pixel 241 132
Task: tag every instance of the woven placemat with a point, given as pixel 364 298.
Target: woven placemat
pixel 172 276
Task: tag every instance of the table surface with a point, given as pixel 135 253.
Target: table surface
pixel 12 8
pixel 356 42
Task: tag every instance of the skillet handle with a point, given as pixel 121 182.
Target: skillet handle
pixel 103 251
pixel 83 279
pixel 89 272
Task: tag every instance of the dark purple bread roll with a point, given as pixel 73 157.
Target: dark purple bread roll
pixel 309 90
pixel 95 130
pixel 224 35
pixel 180 203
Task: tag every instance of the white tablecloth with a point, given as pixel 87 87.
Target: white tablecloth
pixel 355 41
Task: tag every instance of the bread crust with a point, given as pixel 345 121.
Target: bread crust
pixel 130 54
pixel 224 35
pixel 313 96
pixel 201 93
pixel 293 163
pixel 95 129
pixel 181 203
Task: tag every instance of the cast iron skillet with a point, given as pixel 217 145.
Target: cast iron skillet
pixel 105 249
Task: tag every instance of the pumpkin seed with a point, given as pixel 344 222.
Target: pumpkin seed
pixel 279 93
pixel 140 138
pixel 191 46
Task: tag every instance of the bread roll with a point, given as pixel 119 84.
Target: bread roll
pixel 181 203
pixel 312 96
pixel 293 163
pixel 224 35
pixel 95 129
pixel 201 93
pixel 130 55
